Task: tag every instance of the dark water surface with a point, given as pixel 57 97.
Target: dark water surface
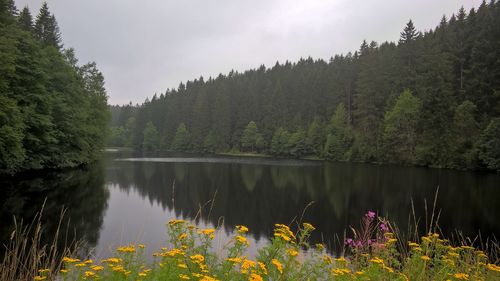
pixel 123 199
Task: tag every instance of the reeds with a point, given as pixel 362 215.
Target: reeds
pixel 26 254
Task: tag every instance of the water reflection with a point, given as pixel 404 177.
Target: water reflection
pixel 82 192
pixel 117 202
pixel 260 195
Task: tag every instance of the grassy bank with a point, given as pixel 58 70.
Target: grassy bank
pixel 374 252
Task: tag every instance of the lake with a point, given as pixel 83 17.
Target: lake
pixel 128 198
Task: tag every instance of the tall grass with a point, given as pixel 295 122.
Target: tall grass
pixel 26 254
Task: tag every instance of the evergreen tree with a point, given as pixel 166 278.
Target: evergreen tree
pixel 181 139
pixel 400 128
pixel 251 138
pixel 46 28
pixel 210 143
pixel 26 20
pixel 464 135
pixel 489 145
pixel 151 138
pixel 280 142
pixel 409 33
pixel 339 138
pixel 315 137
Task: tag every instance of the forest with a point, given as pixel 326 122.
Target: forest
pixel 430 99
pixel 53 111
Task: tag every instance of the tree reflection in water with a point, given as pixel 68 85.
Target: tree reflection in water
pixel 80 191
pixel 260 195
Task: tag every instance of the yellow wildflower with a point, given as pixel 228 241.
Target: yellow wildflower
pixel 327 259
pixel 341 259
pixel 208 278
pixel 175 222
pixel 208 231
pixel 278 265
pixel 425 258
pixel 142 246
pixel 246 265
pixel 242 229
pixel 64 271
pixel 126 249
pixel 70 260
pixel 184 277
pixel 182 236
pixel 493 267
pixel 40 278
pixel 308 226
pixel 461 276
pixel 182 265
pixel 413 244
pixel 242 240
pixel 197 258
pixel 426 239
pixel 320 247
pixel 89 274
pixel 292 252
pixel 392 241
pixel 377 260
pixel 80 264
pixel 255 277
pixel 282 236
pixel 235 260
pixel 112 260
pixel 97 267
pixel 263 267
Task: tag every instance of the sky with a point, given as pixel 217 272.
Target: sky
pixel 145 47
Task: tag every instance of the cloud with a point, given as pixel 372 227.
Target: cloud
pixel 145 47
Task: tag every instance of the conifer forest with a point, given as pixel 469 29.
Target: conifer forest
pixel 430 99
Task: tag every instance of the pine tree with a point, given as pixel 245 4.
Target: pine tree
pixel 400 128
pixel 251 138
pixel 151 138
pixel 339 136
pixel 409 33
pixel 181 139
pixel 26 20
pixel 46 28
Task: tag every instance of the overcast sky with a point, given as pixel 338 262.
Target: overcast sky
pixel 145 47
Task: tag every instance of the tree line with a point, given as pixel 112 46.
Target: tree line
pixel 430 99
pixel 53 111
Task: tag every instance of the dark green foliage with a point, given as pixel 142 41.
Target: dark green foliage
pixel 11 129
pixel 465 133
pixel 181 140
pixel 210 143
pixel 151 139
pixel 400 128
pixel 280 144
pixel 489 145
pixel 46 28
pixel 26 20
pixel 339 136
pixel 53 112
pixel 452 74
pixel 252 140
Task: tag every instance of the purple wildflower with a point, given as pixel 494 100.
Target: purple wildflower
pixel 370 215
pixel 384 227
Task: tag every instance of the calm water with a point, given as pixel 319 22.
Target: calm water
pixel 125 199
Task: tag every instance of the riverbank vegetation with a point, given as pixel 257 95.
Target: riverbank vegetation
pixel 53 111
pixel 375 251
pixel 430 99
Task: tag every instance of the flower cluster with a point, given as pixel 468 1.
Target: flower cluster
pixel 189 256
